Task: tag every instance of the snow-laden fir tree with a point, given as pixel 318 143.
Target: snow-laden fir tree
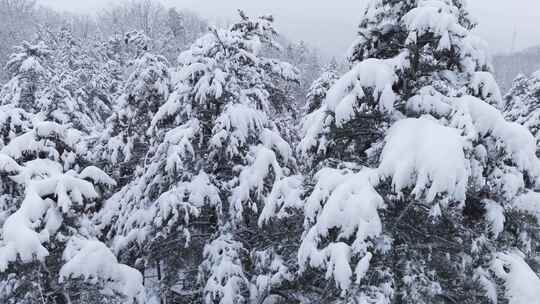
pixel 429 194
pixel 49 250
pixel 319 88
pixel 181 29
pixel 30 71
pixel 14 122
pixel 217 168
pixel 111 61
pixel 522 103
pixel 72 95
pixel 126 139
pixel 308 62
pixel 60 81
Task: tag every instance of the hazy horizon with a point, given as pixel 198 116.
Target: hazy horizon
pixel 331 28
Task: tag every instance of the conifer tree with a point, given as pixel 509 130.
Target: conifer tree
pixel 58 81
pixel 319 88
pixel 126 140
pixel 81 74
pixel 217 168
pixel 30 72
pixel 522 103
pixel 49 248
pixel 425 180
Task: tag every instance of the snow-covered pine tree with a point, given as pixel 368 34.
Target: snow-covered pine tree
pixel 82 81
pixel 428 187
pixel 314 100
pixel 56 79
pixel 522 103
pixel 29 68
pixel 319 88
pixel 126 140
pixel 217 168
pixel 61 97
pixel 108 81
pixel 517 101
pixel 14 122
pixel 49 248
pixel 308 62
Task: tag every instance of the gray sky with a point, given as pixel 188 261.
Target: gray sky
pixel 331 25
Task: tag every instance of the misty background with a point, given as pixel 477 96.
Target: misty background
pixel 330 25
pixel 321 29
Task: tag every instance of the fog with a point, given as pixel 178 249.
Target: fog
pixel 330 25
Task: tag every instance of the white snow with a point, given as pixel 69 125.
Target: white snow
pixel 19 239
pixel 27 142
pixel 485 86
pixel 252 178
pixel 14 120
pixel 429 101
pixel 428 158
pixel 271 139
pixel 97 176
pixel 475 53
pixel 495 217
pixel 378 75
pixel 529 202
pixel 522 285
pixel 199 192
pixel 42 179
pixel 222 138
pixel 237 123
pixel 8 165
pixel 284 200
pixel 31 64
pixel 479 119
pixel 313 129
pixel 345 201
pixel 437 17
pixel 173 210
pixel 92 261
pixel 484 277
pixel 48 129
pixel 226 277
pixel 179 145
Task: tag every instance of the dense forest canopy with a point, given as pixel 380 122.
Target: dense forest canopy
pixel 148 156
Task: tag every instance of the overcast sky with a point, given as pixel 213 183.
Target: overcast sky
pixel 331 25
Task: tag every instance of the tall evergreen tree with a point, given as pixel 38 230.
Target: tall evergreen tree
pixel 65 99
pixel 126 139
pixel 59 81
pixel 30 70
pixel 217 167
pixel 320 87
pixel 49 248
pixel 426 183
pixel 522 103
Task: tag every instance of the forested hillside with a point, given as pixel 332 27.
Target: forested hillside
pixel 149 156
pixel 509 66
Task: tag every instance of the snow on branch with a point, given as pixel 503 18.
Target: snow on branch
pixel 522 285
pixel 479 119
pixel 428 158
pixel 93 262
pixel 347 202
pixel 224 275
pixel 42 179
pixel 437 17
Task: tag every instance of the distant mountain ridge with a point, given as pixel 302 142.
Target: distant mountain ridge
pixel 508 66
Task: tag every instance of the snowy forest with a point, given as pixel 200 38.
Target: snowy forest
pixel 149 156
